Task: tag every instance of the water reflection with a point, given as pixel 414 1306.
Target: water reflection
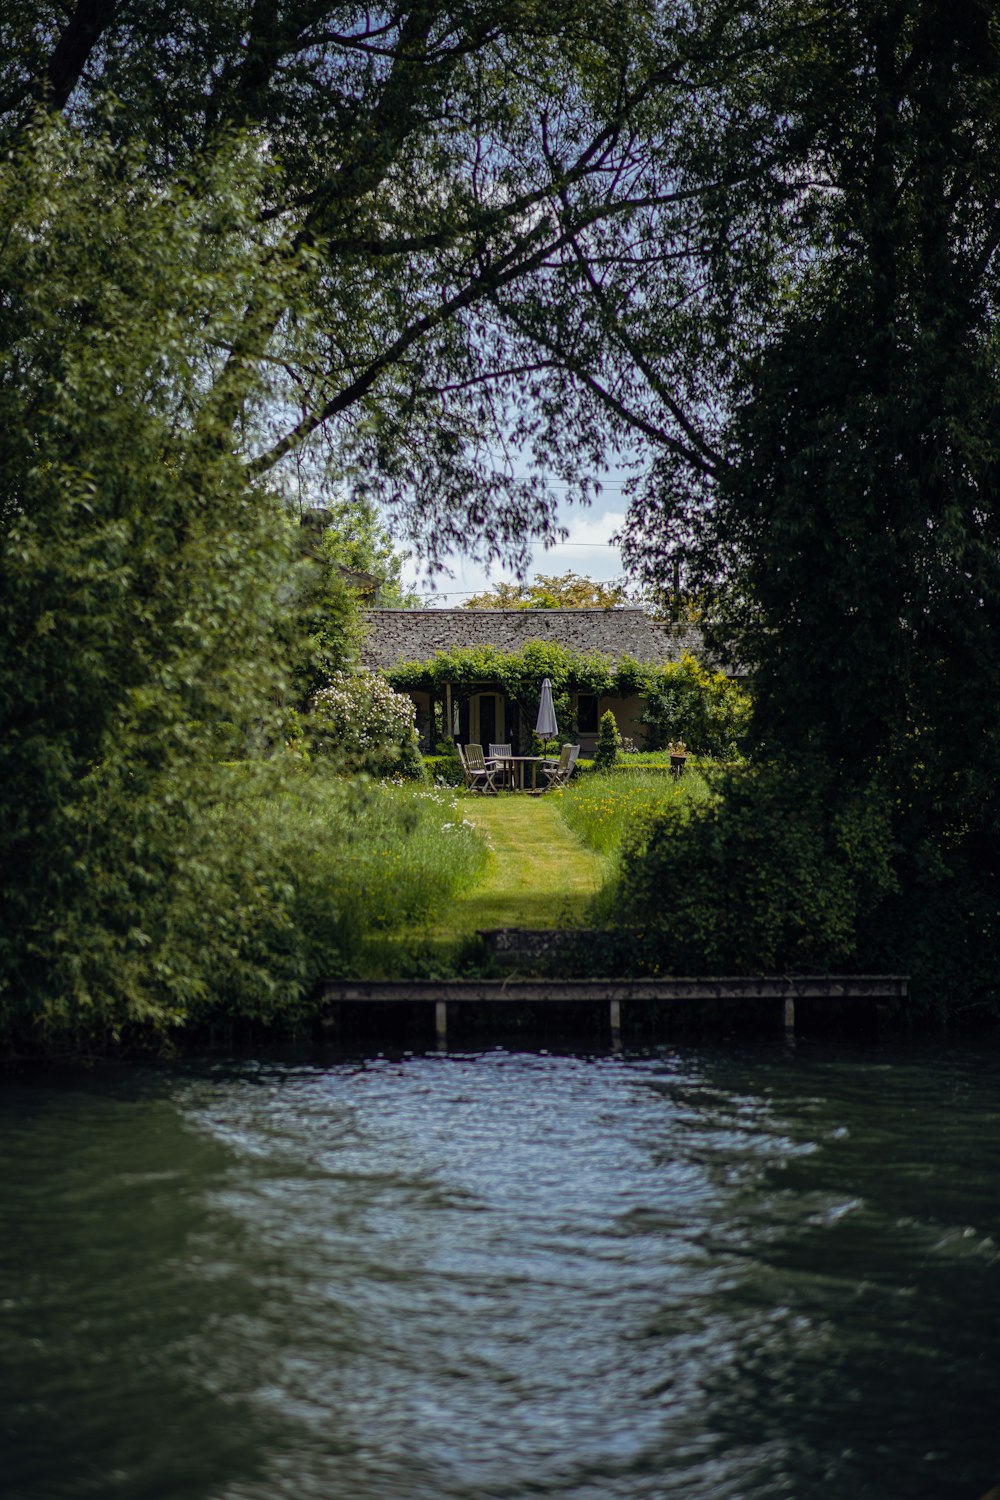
pixel 695 1273
pixel 106 1335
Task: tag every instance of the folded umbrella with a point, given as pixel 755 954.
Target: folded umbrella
pixel 545 724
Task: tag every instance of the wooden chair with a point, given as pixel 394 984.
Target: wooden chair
pixel 498 756
pixel 559 771
pixel 479 777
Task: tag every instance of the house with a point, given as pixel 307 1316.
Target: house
pixel 485 710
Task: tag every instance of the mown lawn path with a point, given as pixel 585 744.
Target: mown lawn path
pixel 540 874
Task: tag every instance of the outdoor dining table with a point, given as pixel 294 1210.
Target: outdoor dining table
pixel 515 764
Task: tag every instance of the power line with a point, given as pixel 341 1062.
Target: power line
pixel 486 585
pixel 449 593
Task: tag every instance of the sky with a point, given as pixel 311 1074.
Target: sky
pixel 587 551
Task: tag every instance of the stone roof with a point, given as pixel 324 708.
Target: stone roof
pixel 397 635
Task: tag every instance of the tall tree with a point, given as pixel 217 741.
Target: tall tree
pixel 251 237
pixel 140 575
pixel 355 538
pixel 553 591
pixel 845 521
pixel 433 163
pixel 857 507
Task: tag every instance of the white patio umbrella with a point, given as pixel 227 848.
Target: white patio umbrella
pixel 545 724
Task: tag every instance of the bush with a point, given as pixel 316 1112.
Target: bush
pixel 445 768
pixel 774 873
pixel 360 721
pixel 609 743
pixel 283 879
pixel 142 577
pixel 706 710
pixel 941 926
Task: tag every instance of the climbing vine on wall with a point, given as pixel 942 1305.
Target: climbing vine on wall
pixel 684 700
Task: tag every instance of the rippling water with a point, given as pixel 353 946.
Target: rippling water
pixel 732 1274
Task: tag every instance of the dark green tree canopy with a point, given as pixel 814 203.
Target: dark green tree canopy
pixel 846 525
pixel 845 534
pixel 141 577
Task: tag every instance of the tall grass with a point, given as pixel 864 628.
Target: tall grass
pixel 607 811
pixel 326 864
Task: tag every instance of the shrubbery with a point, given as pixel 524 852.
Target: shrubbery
pixel 142 578
pixel 776 872
pixel 941 926
pixel 706 710
pixel 286 874
pixel 366 726
pixel 609 743
pixel 446 766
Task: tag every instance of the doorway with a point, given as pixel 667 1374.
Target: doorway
pixel 486 719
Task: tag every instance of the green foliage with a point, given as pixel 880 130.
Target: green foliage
pixel 358 720
pixel 609 744
pixel 444 770
pixel 355 537
pixel 427 160
pixel 776 872
pixel 708 711
pixel 140 575
pixel 335 862
pixel 446 766
pixel 712 711
pixel 941 925
pixel 834 503
pixel 652 760
pixel 282 878
pixel 551 591
pixel 324 631
pixel 608 814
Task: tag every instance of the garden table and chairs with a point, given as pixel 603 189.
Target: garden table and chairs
pixel 479 777
pixel 513 768
pixel 501 769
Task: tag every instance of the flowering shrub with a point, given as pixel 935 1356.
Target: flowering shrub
pixel 361 721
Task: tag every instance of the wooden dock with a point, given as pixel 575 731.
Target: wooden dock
pixel 772 1002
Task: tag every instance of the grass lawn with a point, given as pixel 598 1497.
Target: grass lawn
pixel 540 875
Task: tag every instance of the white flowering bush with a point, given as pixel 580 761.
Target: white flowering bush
pixel 362 722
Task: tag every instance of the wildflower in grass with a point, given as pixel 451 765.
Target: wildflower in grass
pixel 605 816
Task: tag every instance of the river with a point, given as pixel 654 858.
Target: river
pixel 709 1273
